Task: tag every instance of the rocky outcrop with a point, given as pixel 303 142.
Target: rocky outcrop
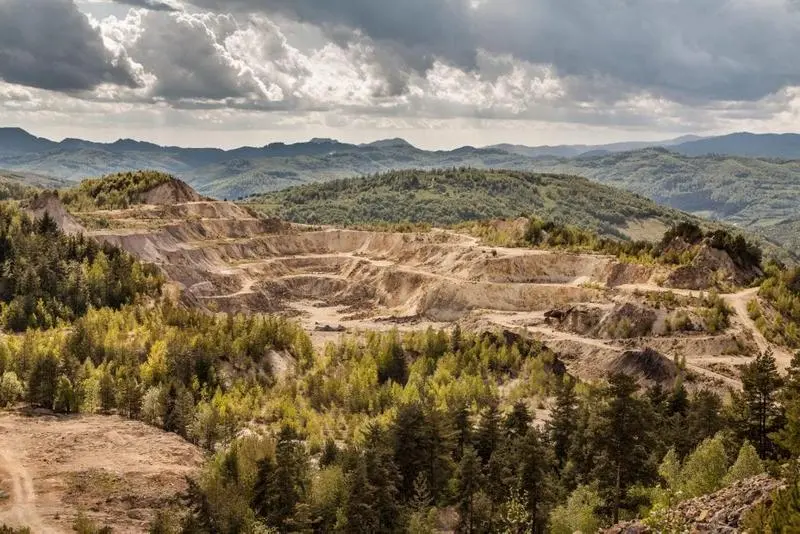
pixel 710 268
pixel 720 512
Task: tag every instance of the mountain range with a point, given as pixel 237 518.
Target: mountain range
pixel 751 180
pixel 246 170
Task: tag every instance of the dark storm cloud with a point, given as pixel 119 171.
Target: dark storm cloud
pixel 688 50
pixel 154 5
pixel 418 28
pixel 184 53
pixel 49 44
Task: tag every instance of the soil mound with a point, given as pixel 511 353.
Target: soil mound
pixel 646 365
pixel 50 203
pixel 171 192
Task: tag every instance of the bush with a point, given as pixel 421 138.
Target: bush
pixel 11 389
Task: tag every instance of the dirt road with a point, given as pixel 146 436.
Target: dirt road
pixel 21 509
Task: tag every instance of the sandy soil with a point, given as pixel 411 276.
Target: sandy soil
pixel 116 471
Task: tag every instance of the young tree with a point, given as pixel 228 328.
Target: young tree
pixel 11 389
pixel 578 514
pixel 517 421
pixel 747 465
pixel 65 399
pixel 704 468
pixel 43 381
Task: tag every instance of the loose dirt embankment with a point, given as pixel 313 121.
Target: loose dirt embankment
pixel 116 471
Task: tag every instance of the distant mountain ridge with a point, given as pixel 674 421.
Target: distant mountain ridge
pixel 751 180
pixel 74 159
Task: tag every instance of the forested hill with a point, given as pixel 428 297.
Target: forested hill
pixel 456 195
pixel 755 194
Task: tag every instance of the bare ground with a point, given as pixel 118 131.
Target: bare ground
pixel 116 471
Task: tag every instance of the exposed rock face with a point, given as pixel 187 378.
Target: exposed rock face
pixel 626 320
pixel 710 267
pixel 720 512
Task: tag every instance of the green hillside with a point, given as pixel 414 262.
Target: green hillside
pixel 759 195
pixel 451 196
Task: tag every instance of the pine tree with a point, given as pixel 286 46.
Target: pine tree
pixel 516 423
pixel 462 430
pixel 534 477
pixel 360 512
pixel 760 384
pixel 421 499
pixel 43 382
pixel 703 420
pixel 108 393
pixel 65 399
pixel 487 437
pixel 282 483
pixel 383 478
pixel 563 421
pixel 468 482
pixel 622 439
pixel 412 445
pixel 330 453
pixel 704 469
pixel 788 437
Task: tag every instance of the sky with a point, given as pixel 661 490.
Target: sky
pixel 439 73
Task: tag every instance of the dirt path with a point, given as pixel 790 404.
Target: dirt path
pixel 22 510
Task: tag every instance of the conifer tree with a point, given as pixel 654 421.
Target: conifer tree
pixel 788 437
pixel 487 436
pixel 281 483
pixel 517 421
pixel 534 477
pixel 468 483
pixel 563 421
pixel 758 402
pixel 43 381
pixel 622 439
pixel 747 465
pixel 383 477
pixel 462 430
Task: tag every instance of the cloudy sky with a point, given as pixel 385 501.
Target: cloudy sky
pixel 440 73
